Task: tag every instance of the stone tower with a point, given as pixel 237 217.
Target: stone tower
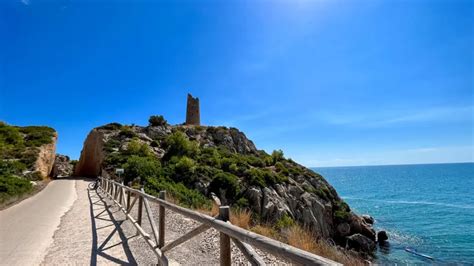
pixel 193 115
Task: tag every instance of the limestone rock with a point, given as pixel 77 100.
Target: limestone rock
pixel 45 160
pixel 62 166
pixel 92 155
pixel 361 243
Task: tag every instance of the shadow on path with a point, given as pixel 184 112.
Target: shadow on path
pixel 102 219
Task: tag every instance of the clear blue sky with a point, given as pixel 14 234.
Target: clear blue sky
pixel 328 82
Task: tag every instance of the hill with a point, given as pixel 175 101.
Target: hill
pixel 194 162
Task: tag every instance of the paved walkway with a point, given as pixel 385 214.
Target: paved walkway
pixel 26 229
pixel 89 234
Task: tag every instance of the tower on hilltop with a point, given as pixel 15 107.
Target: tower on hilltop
pixel 193 115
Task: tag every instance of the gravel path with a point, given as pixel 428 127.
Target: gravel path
pixel 89 234
pixel 94 231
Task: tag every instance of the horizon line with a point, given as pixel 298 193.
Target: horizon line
pixel 335 166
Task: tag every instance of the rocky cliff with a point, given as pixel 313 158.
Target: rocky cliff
pixel 27 151
pixel 224 161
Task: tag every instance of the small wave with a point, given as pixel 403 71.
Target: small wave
pixel 415 203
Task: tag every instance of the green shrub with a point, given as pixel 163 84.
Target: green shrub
pixel 111 126
pixel 178 144
pixel 225 182
pixel 277 155
pixel 242 203
pixel 142 167
pixel 127 132
pixel 255 161
pixel 186 197
pixel 184 170
pixel 12 186
pixel 29 157
pixel 255 177
pixel 135 147
pixel 9 135
pixel 342 211
pixel 284 222
pixel 37 135
pixel 11 167
pixel 111 145
pixel 157 120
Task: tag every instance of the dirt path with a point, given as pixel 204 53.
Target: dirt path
pixel 27 228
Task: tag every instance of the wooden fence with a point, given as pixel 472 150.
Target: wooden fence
pixel 126 198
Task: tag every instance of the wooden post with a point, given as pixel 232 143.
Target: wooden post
pixel 224 239
pixel 140 208
pixel 128 196
pixel 121 199
pixel 161 225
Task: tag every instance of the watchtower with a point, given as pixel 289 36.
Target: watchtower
pixel 193 115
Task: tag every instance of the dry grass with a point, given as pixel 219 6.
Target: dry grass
pixel 213 211
pixel 241 218
pixel 305 240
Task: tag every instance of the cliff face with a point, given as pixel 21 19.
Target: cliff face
pixel 228 164
pixel 92 155
pixel 46 156
pixel 27 151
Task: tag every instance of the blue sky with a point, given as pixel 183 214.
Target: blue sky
pixel 328 82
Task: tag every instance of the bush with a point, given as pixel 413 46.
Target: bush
pixel 228 183
pixel 284 222
pixel 157 120
pixel 127 132
pixel 111 145
pixel 12 186
pixel 143 167
pixel 11 167
pixel 135 147
pixel 255 177
pixel 186 197
pixel 277 155
pixel 179 145
pixel 111 126
pixel 37 135
pixel 342 211
pixel 184 170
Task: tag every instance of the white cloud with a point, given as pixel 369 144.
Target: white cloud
pixel 25 2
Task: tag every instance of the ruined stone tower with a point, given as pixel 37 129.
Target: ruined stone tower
pixel 193 115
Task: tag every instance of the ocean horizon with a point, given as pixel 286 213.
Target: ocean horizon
pixel 425 207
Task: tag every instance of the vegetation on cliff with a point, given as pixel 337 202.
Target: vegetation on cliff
pixel 193 162
pixel 19 149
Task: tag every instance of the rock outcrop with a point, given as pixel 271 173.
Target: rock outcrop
pixel 92 155
pixel 46 156
pixel 62 166
pixel 303 195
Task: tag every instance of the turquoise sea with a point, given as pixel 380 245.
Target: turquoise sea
pixel 426 207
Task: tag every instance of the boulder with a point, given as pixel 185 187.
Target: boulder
pixel 359 226
pixel 62 166
pixel 343 229
pixel 361 243
pixel 367 218
pixel 382 236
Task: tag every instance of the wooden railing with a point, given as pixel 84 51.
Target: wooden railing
pixel 126 198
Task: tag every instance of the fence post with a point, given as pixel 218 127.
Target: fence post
pixel 161 226
pixel 224 239
pixel 140 207
pixel 128 195
pixel 121 195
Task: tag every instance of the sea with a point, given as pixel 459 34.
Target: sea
pixel 428 208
